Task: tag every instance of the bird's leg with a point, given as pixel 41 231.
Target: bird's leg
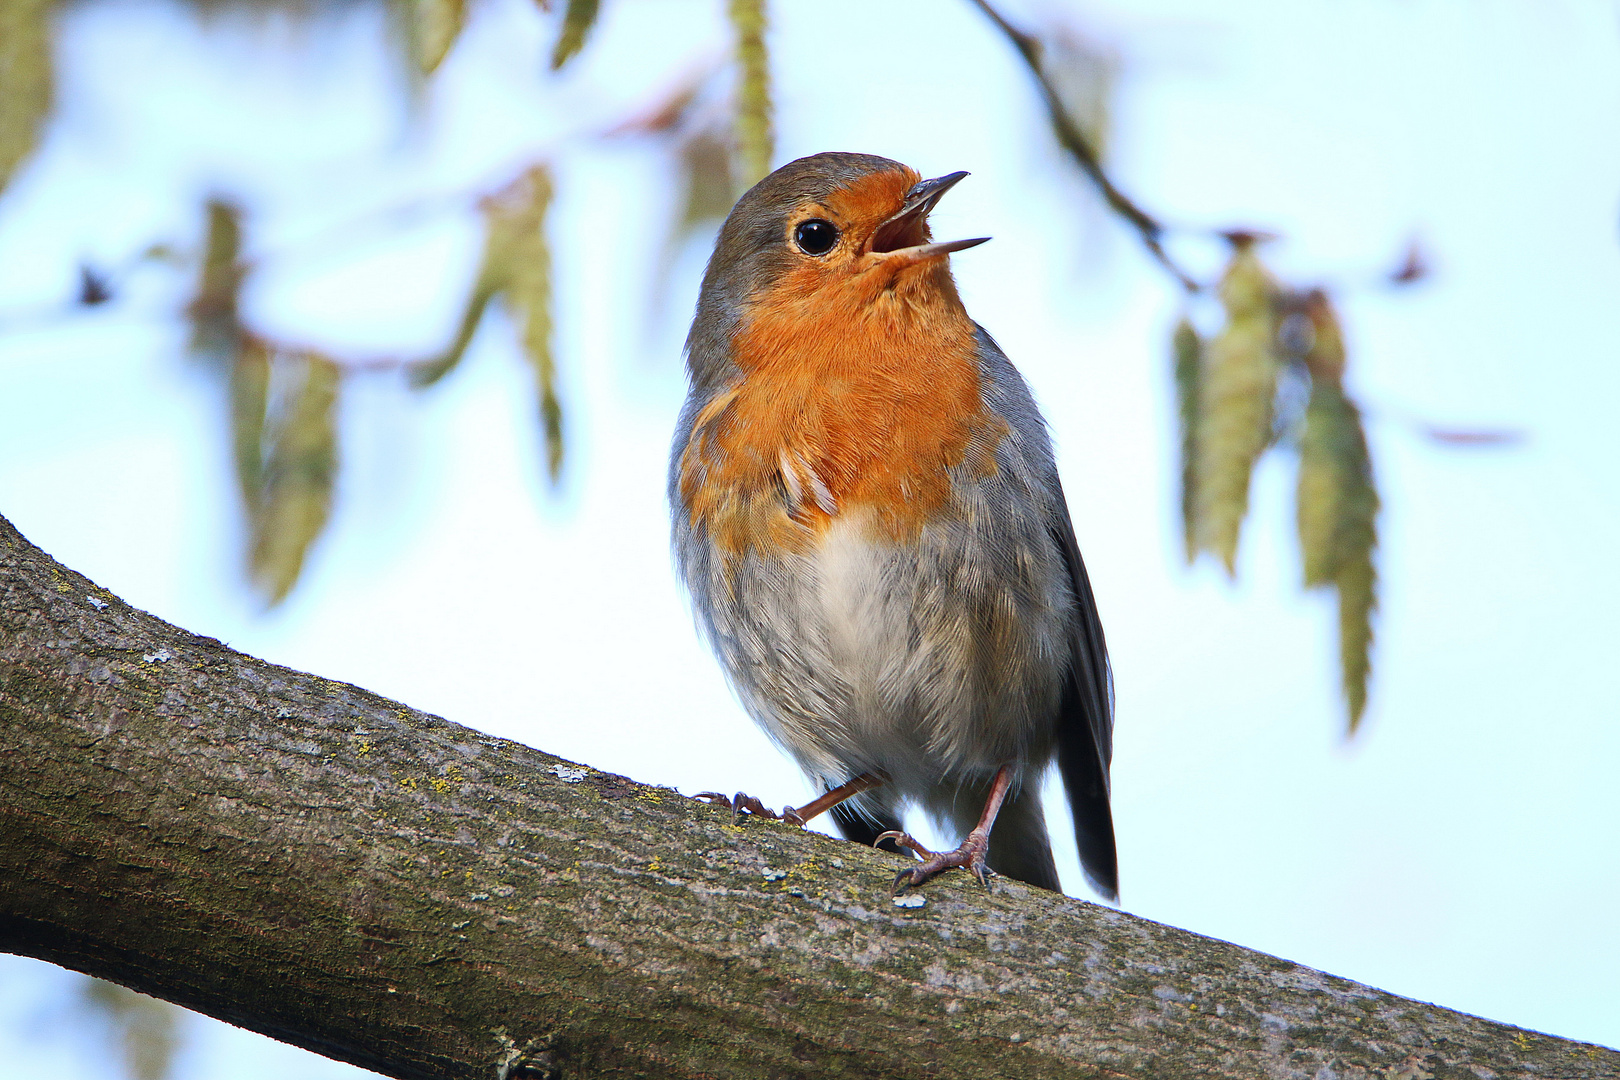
pixel 969 855
pixel 829 799
pixel 740 803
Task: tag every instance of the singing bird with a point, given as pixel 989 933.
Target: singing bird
pixel 868 516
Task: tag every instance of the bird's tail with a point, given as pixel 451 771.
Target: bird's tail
pixel 865 828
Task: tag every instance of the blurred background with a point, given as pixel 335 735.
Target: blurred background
pixel 350 334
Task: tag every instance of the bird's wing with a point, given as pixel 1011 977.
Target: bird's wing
pixel 1085 732
pixel 1085 723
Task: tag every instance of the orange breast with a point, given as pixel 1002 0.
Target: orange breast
pixel 858 394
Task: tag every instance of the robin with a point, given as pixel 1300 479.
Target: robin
pixel 868 516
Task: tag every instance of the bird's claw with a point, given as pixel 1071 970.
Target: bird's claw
pixel 742 803
pixel 969 856
pixel 905 840
pixel 749 804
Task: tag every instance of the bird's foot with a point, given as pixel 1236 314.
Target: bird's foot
pixel 969 856
pixel 740 804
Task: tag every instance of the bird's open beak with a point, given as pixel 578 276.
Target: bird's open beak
pixel 903 237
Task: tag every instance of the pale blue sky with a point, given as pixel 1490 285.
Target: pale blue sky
pixel 1465 849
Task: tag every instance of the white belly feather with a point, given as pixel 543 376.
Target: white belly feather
pixel 914 645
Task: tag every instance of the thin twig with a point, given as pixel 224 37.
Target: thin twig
pixel 1075 142
pixel 330 240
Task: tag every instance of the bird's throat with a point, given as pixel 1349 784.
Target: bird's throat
pixel 860 398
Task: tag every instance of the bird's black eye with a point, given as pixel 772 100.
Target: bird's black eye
pixel 815 237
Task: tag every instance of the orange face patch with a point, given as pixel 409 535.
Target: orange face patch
pixel 865 204
pixel 860 391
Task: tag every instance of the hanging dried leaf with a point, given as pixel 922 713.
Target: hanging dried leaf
pixel 216 329
pixel 517 268
pixel 1338 526
pixel 705 163
pixel 1235 402
pixel 508 215
pixel 577 23
pixel 709 192
pixel 428 372
pixel 1188 349
pixel 145 1026
pixel 1335 480
pixel 25 80
pixel 755 143
pixel 1324 357
pixel 434 27
pixel 1356 538
pixel 1321 488
pixel 300 470
pixel 1327 446
pixel 250 401
pixel 1358 600
pixel 528 299
pixel 551 424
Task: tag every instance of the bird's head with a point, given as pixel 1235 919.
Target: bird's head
pixel 831 234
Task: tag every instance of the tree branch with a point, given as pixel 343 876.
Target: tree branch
pixel 1072 139
pixel 317 863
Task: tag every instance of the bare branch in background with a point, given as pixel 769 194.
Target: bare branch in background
pixel 1080 148
pixel 1473 436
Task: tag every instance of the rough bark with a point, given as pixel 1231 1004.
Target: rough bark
pixel 336 870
